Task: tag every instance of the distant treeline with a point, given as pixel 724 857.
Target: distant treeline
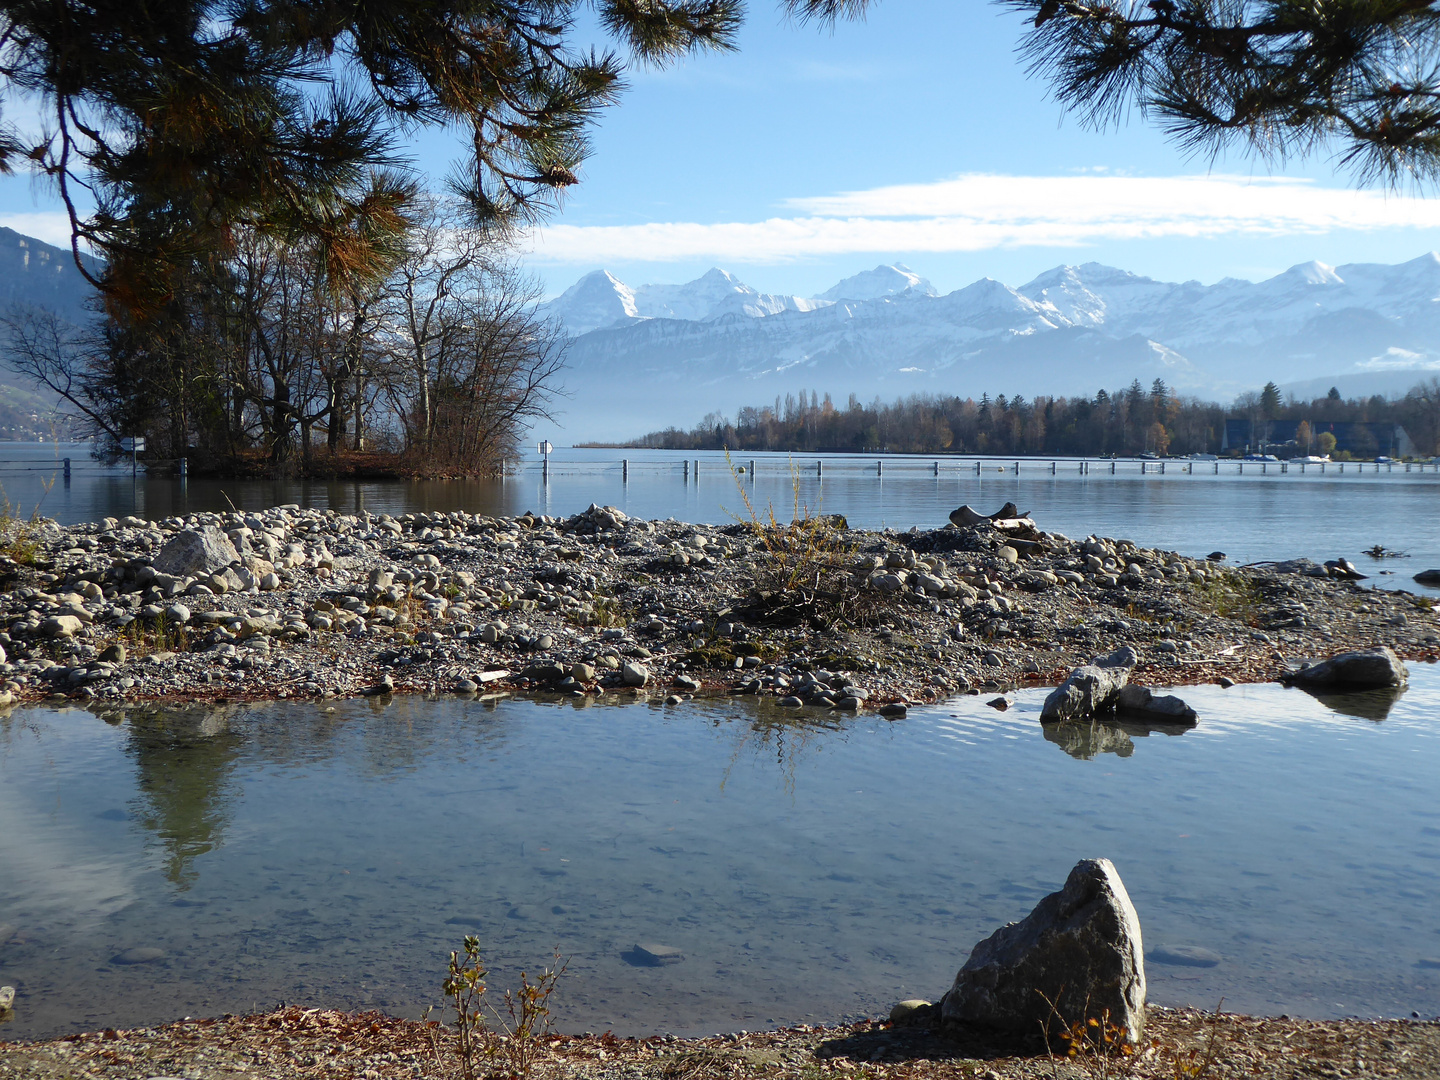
pixel 1129 421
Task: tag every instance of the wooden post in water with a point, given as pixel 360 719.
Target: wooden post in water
pixel 1017 468
pixel 879 468
pixel 1112 468
pixel 752 469
pixel 624 470
pixel 977 468
pixel 686 465
pixel 819 468
pixel 67 469
pixel 937 468
pixel 1052 468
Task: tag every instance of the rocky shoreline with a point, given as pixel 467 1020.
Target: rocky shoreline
pixel 292 603
pixel 317 1044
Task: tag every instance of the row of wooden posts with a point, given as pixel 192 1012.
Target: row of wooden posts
pixel 688 466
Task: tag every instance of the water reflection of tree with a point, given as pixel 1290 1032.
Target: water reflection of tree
pixel 184 759
pixel 185 756
pixel 789 734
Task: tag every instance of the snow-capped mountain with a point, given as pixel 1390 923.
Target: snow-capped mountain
pixel 600 300
pixel 882 281
pixel 652 356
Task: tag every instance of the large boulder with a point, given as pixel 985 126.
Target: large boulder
pixel 1090 690
pixel 1078 956
pixel 196 552
pixel 1142 703
pixel 1369 669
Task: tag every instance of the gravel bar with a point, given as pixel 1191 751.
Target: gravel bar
pixel 292 603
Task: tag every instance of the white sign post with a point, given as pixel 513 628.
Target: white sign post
pixel 135 446
pixel 545 449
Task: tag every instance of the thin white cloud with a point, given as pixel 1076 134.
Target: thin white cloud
pixel 52 226
pixel 983 211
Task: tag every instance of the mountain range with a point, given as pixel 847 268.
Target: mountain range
pixel 654 355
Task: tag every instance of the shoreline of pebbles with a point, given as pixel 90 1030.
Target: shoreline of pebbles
pixel 292 603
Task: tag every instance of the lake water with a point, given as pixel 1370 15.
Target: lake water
pixel 807 871
pixel 1250 517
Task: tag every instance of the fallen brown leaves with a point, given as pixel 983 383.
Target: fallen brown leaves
pixel 318 1044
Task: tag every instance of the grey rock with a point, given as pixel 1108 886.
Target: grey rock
pixel 114 653
pixel 1003 702
pixel 582 672
pixel 178 614
pixel 1090 690
pixel 893 712
pixel 686 682
pixel 1077 956
pixel 196 553
pixel 1141 701
pixel 1428 577
pixel 61 626
pixel 546 671
pixel 910 1011
pixel 634 674
pixel 7 998
pixel 140 955
pixel 790 702
pixel 466 686
pixel 1365 670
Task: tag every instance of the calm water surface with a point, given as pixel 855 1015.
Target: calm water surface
pixel 289 853
pixel 1250 517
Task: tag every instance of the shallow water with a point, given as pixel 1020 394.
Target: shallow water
pixel 1251 517
pixel 808 872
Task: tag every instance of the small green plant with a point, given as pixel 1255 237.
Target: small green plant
pixel 165 636
pixel 604 611
pixel 1232 595
pixel 511 1047
pixel 19 539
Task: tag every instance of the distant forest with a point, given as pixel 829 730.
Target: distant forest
pixel 1124 422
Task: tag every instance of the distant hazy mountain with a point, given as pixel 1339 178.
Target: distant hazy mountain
pixel 34 272
pixel 652 356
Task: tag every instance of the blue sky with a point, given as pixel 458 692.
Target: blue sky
pixel 914 136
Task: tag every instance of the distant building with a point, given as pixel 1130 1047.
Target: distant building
pixel 1362 438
